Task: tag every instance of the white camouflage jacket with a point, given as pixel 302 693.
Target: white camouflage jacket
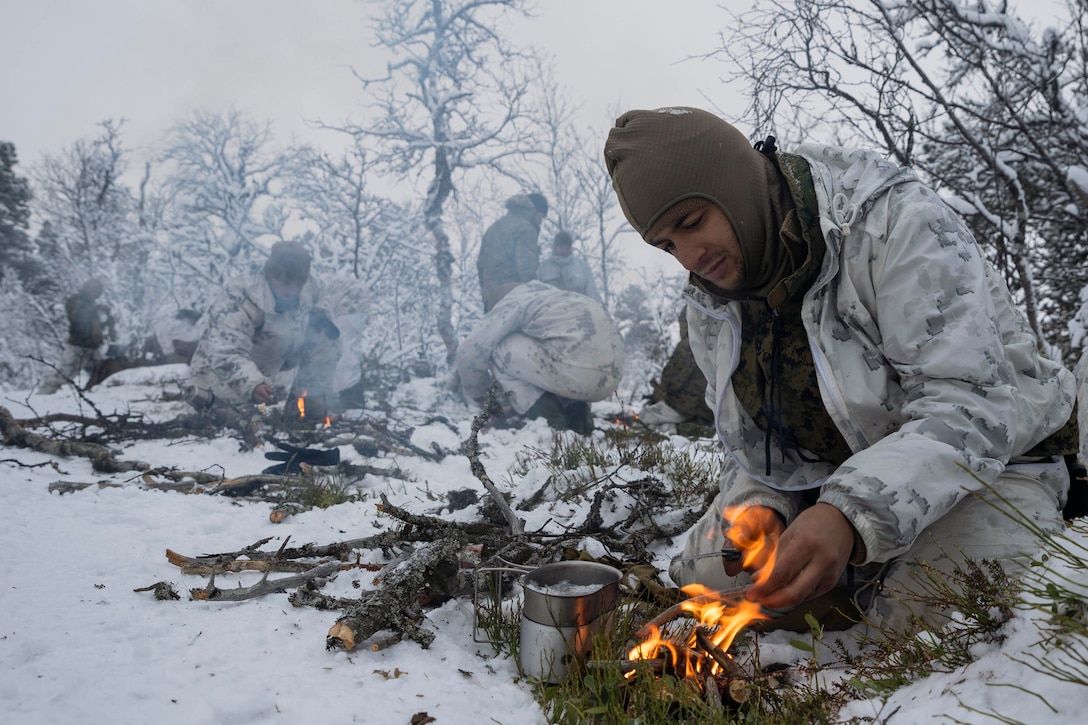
pixel 246 342
pixel 540 338
pixel 925 365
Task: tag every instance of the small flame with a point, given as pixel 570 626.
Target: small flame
pixel 711 610
pixel 652 646
pixel 301 403
pixel 722 617
pixel 748 530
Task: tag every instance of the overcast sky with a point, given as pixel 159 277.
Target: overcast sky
pixel 69 64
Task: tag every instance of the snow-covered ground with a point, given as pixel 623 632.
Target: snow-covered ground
pixel 79 645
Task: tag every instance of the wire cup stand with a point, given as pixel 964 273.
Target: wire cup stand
pixel 494 593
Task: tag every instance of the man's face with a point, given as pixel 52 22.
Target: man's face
pixel 286 289
pixel 704 243
pixel 562 250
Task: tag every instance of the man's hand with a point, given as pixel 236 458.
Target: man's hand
pixel 813 552
pixel 264 393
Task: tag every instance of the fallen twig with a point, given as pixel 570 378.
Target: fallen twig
pixel 63 487
pixel 264 586
pixel 472 451
pixel 20 464
pixel 215 565
pixel 245 485
pixel 729 667
pixel 679 608
pixel 101 457
pixel 433 523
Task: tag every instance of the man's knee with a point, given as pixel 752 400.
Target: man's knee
pixel 1002 524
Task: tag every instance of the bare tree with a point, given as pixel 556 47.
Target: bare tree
pixel 576 181
pixel 987 108
pixel 467 220
pixel 333 194
pixel 89 227
pixel 371 239
pixel 604 227
pixel 452 101
pixel 223 185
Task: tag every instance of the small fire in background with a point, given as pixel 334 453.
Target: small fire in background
pixel 625 419
pixel 317 408
pixel 719 616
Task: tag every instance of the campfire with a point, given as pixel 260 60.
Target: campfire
pixel 310 409
pixel 700 652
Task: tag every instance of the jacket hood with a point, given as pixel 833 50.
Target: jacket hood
pixel 848 180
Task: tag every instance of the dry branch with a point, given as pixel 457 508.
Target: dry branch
pixel 677 609
pixel 371 437
pixel 245 485
pixel 731 669
pixel 394 440
pixel 435 524
pixel 82 420
pixel 20 464
pixel 215 565
pixel 432 570
pixel 199 477
pixel 251 558
pixel 264 586
pixel 472 452
pixel 63 487
pixel 712 694
pixel 178 481
pixel 308 596
pixel 101 457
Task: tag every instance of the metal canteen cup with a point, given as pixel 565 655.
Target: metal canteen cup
pixel 566 603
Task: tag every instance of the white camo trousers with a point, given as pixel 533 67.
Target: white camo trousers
pixel 978 528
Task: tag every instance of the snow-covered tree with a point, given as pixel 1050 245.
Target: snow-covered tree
pixel 647 312
pixel 453 100
pixel 988 108
pixel 371 241
pixel 18 264
pixel 576 182
pixel 223 184
pixel 351 223
pixel 15 246
pixel 89 228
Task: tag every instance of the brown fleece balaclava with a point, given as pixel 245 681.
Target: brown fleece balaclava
pixel 666 162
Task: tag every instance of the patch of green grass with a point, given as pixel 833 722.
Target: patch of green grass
pixel 322 491
pixel 580 466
